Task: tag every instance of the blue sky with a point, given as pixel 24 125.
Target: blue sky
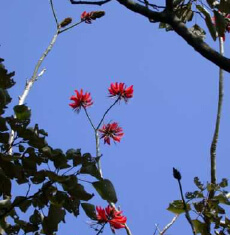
pixel 169 122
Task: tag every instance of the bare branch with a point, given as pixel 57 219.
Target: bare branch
pixel 169 225
pixel 54 13
pixel 99 3
pixel 217 126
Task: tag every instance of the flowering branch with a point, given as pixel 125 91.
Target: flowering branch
pixel 218 117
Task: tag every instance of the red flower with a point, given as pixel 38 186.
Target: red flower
pixel 113 217
pixel 111 131
pixel 81 100
pixel 86 17
pixel 93 15
pixel 120 90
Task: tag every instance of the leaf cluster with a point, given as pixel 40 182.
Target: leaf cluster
pixel 51 177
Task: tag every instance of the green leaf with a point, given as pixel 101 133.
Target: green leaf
pixel 200 227
pixel 80 193
pixel 223 183
pixel 3 126
pixel 198 183
pixel 22 202
pixel 5 184
pixel 36 218
pixel 220 23
pixel 224 6
pixel 197 31
pixel 55 216
pixel 177 207
pixel 222 199
pixel 89 210
pixel 208 21
pixel 106 190
pixel 22 112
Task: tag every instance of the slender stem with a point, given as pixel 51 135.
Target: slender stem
pixel 102 227
pixel 98 154
pixel 70 27
pixel 187 215
pixel 106 112
pixel 54 13
pixel 89 118
pixel 217 126
pixel 169 225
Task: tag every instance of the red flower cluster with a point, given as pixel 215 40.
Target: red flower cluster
pixel 120 90
pixel 111 131
pixel 111 216
pixel 93 15
pixel 81 100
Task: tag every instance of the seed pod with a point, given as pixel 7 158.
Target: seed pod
pixel 96 14
pixel 65 22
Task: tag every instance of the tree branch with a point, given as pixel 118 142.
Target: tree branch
pixel 99 3
pixel 169 225
pixel 217 126
pixel 179 27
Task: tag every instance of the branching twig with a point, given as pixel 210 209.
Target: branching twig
pixel 106 112
pixel 70 27
pixel 169 225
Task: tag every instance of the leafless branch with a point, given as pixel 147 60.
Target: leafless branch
pixel 217 126
pixel 54 13
pixel 169 225
pixel 99 3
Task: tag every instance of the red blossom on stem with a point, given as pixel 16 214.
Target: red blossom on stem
pixel 111 216
pixel 120 90
pixel 81 100
pixel 93 15
pixel 111 130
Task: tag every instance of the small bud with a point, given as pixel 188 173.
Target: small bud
pixel 65 22
pixel 176 174
pixel 96 14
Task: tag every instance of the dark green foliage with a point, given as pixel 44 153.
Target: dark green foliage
pixel 205 209
pixel 51 176
pixel 106 190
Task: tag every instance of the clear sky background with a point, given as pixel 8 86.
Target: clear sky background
pixel 169 122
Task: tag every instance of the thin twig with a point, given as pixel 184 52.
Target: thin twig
pixel 169 224
pixel 70 27
pixel 99 3
pixel 101 229
pixel 54 13
pixel 106 112
pixel 187 215
pixel 217 126
pixel 89 118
